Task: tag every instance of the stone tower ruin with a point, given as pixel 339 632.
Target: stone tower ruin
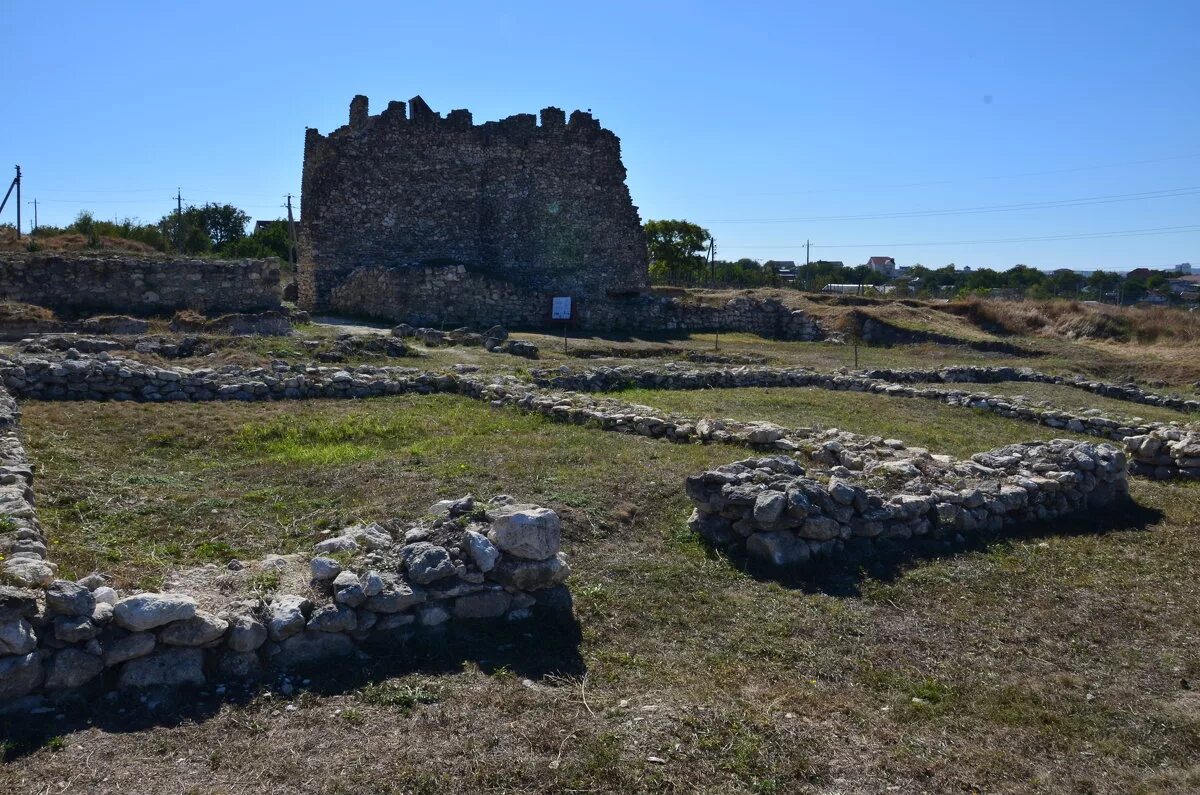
pixel 431 206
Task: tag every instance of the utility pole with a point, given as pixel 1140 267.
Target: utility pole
pixel 179 202
pixel 35 204
pixel 291 231
pixel 16 183
pixel 712 267
pixel 807 252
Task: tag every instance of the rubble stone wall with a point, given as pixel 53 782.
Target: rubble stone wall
pixel 770 510
pixel 495 560
pixel 140 285
pixel 456 294
pixel 607 379
pixel 1165 453
pixel 538 203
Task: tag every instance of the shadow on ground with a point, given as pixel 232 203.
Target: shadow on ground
pixel 547 646
pixel 844 575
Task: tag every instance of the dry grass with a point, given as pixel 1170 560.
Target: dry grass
pixel 73 241
pixel 1059 663
pixel 1075 320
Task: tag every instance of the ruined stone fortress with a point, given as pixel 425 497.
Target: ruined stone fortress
pixel 417 218
pixel 444 219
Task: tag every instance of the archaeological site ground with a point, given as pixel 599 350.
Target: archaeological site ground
pixel 398 535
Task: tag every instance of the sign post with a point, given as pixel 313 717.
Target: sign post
pixel 560 309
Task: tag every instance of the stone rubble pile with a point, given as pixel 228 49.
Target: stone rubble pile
pixel 1165 454
pixel 768 509
pixel 493 340
pixel 471 560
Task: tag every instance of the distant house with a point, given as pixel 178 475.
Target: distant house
pixel 780 264
pixel 1181 285
pixel 1184 268
pixel 885 266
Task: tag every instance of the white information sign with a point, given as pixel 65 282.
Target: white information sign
pixel 560 308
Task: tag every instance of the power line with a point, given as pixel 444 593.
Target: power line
pixel 1161 230
pixel 1020 175
pixel 1168 193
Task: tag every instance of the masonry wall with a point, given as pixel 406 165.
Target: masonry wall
pixel 134 284
pixel 542 205
pixel 457 295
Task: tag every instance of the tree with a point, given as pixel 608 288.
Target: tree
pixel 224 223
pixel 272 241
pixel 675 249
pixel 198 230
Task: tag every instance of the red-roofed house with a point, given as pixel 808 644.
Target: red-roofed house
pixel 884 265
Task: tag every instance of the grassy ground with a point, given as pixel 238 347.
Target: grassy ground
pixel 939 427
pixel 1061 663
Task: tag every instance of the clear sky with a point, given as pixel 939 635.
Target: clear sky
pixel 769 123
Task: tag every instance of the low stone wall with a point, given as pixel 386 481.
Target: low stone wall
pixel 1165 454
pixel 364 589
pixel 452 294
pixel 679 377
pixel 769 510
pixel 142 285
pixel 994 375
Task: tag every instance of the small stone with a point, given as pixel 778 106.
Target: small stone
pixel 287 616
pixel 92 582
pixel 149 610
pixel 127 648
pixel 483 553
pixel 17 637
pixel 778 548
pixel 72 668
pixel 530 575
pixel 65 598
pixel 526 531
pixel 74 629
pixel 324 568
pixel 351 595
pixel 169 667
pixel 769 506
pixel 372 583
pixel 246 633
pixel 426 562
pixel 395 599
pixel 105 595
pixel 199 630
pixel 430 615
pixel 20 675
pixel 333 618
pixel 336 544
pixel 27 572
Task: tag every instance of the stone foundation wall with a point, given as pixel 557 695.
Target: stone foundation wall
pixel 607 379
pixel 1165 454
pixel 769 510
pixel 454 295
pixel 140 285
pixel 368 586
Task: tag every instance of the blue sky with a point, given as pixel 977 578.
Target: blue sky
pixel 768 123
